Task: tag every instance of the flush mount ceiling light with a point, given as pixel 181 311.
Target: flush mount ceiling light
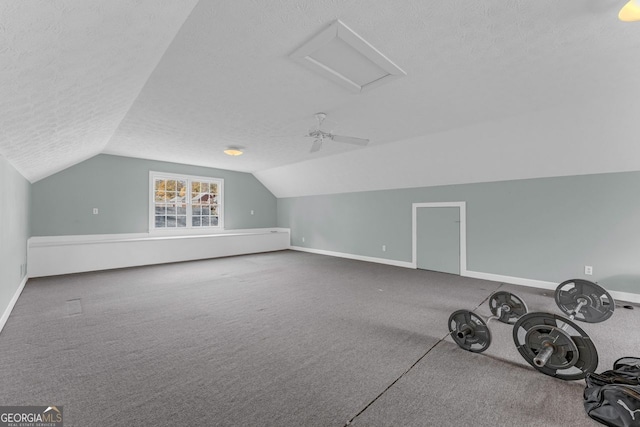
pixel 347 59
pixel 233 151
pixel 630 12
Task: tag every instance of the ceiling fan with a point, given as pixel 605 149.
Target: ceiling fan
pixel 320 135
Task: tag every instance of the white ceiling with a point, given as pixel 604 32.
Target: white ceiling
pixel 181 81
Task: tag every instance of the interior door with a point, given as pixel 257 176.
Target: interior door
pixel 438 239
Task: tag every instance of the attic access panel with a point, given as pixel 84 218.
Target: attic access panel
pixel 344 57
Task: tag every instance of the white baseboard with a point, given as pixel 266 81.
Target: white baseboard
pixel 616 295
pixel 12 303
pixel 355 257
pixel 512 280
pixel 540 284
pixel 625 296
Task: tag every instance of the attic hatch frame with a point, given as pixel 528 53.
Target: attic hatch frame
pixel 338 37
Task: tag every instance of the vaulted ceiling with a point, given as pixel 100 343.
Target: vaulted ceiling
pixel 494 89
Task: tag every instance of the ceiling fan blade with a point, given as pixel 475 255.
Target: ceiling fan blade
pixel 316 145
pixel 350 139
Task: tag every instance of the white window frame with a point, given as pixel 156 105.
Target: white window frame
pixel 189 229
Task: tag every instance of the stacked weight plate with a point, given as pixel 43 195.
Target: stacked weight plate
pixel 555 345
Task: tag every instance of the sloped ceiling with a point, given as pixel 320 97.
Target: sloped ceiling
pixel 70 70
pixel 181 81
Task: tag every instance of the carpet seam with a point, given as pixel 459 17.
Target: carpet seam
pixel 414 364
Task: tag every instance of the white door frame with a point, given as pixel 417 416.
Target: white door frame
pixel 462 206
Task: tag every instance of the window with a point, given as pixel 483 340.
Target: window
pixel 185 202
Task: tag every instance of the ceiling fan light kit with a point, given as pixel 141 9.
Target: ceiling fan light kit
pixel 630 12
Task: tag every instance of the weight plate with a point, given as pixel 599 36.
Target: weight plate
pixel 565 352
pixel 469 331
pixel 598 304
pixel 562 367
pixel 507 307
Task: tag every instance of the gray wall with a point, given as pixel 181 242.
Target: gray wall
pixel 544 229
pixel 14 231
pixel 62 204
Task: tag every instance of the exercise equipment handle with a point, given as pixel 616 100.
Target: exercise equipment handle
pixel 464 332
pixel 543 357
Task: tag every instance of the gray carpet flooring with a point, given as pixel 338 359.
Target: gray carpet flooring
pixel 282 338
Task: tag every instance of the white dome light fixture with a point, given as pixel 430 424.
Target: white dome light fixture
pixel 233 151
pixel 630 12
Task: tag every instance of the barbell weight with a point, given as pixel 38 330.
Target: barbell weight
pixel 555 346
pixel 507 307
pixel 584 301
pixel 469 331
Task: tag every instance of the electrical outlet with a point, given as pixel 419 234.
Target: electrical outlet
pixel 251 211
pixel 384 248
pixel 95 211
pixel 588 270
pixel 303 239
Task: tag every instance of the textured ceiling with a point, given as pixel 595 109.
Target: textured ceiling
pixel 71 69
pixel 180 81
